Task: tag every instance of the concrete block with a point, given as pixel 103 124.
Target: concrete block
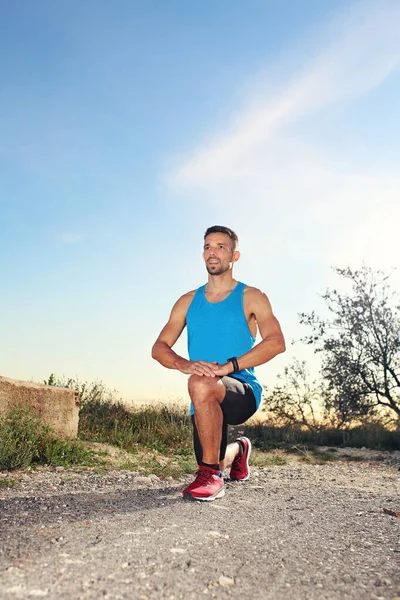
pixel 57 407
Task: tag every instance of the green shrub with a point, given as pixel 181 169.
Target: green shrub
pixel 24 441
pixel 21 434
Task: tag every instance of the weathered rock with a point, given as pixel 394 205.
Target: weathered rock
pixel 57 407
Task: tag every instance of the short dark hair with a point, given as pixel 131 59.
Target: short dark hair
pixel 226 230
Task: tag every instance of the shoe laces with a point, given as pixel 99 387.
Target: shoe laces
pixel 204 477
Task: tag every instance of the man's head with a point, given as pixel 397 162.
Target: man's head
pixel 220 252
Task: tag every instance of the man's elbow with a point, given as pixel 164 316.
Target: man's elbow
pixel 158 350
pixel 281 346
pixel 154 351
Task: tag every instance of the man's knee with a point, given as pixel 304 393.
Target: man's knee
pixel 206 388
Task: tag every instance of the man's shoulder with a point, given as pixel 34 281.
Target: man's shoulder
pixel 186 299
pixel 189 295
pixel 252 291
pixel 254 297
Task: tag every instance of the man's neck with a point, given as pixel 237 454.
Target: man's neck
pixel 218 284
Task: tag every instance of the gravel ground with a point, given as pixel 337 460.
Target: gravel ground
pixel 291 532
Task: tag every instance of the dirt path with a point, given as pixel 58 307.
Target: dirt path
pixel 290 532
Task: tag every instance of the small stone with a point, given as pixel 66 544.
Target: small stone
pixel 177 550
pixel 142 479
pixel 225 581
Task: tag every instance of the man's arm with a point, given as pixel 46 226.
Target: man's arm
pixel 273 342
pixel 162 349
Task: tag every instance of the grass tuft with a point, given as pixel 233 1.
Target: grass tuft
pixel 57 452
pixel 271 458
pixel 7 483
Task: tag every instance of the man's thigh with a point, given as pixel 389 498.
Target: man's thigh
pixel 239 403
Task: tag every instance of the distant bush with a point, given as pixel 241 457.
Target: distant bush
pixel 96 391
pixel 160 427
pixel 266 436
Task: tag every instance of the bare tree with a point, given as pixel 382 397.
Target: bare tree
pixel 295 400
pixel 360 345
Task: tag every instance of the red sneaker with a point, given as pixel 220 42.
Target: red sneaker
pixel 207 486
pixel 240 469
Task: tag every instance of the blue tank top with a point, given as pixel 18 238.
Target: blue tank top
pixel 219 330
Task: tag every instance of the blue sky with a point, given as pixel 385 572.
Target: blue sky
pixel 127 128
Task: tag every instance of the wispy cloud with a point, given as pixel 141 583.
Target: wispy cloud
pixel 364 49
pixel 257 173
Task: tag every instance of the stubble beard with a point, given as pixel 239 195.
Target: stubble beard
pixel 217 271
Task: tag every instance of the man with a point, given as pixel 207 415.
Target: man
pixel 222 318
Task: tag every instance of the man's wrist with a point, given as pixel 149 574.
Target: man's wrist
pixel 234 362
pixel 230 366
pixel 179 362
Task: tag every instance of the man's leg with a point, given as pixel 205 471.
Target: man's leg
pixel 206 394
pixel 215 408
pixel 228 452
pixel 238 405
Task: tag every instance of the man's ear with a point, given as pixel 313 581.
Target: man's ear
pixel 236 256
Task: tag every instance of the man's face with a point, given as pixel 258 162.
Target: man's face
pixel 218 253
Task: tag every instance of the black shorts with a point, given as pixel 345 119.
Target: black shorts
pixel 238 405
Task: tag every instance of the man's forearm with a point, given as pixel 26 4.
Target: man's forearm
pixel 165 355
pixel 263 352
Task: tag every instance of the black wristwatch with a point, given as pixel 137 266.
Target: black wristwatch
pixel 235 363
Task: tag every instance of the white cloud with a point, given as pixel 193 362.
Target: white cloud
pixel 365 50
pixel 297 198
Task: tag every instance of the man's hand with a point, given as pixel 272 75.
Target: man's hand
pixel 197 367
pixel 225 369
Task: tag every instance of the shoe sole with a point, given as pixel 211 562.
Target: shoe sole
pixel 219 494
pixel 249 447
